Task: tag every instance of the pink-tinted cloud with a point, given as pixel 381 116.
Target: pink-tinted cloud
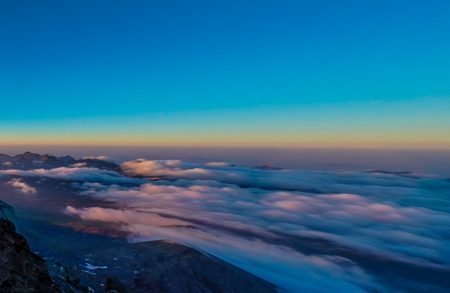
pixel 22 186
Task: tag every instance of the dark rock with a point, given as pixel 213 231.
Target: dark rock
pixel 113 285
pixel 21 270
pixel 100 164
pixel 268 167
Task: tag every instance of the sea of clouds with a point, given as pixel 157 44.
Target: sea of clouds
pixel 251 216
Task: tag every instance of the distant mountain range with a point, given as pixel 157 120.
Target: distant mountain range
pixel 29 161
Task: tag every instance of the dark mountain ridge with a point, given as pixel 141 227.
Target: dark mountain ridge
pixel 29 161
pixel 21 270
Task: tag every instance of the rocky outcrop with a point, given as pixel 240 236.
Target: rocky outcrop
pixel 113 285
pixel 21 270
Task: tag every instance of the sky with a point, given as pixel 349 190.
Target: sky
pixel 352 74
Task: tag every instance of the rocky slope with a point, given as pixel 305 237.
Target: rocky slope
pixel 21 270
pixel 156 266
pixel 163 266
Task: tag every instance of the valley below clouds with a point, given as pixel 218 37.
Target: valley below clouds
pixel 353 231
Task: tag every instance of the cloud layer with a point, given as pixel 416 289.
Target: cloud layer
pixel 238 212
pixel 305 230
pixel 75 173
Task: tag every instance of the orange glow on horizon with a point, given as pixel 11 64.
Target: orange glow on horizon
pixel 288 140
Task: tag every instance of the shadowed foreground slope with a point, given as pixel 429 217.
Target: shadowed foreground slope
pixel 163 266
pixel 157 266
pixel 21 270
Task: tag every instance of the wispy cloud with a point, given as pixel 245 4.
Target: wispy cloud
pixel 22 186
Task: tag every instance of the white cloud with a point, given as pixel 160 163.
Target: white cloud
pixel 22 186
pixel 102 158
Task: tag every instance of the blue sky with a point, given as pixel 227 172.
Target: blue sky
pixel 106 62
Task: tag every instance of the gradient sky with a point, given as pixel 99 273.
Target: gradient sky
pixel 226 73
